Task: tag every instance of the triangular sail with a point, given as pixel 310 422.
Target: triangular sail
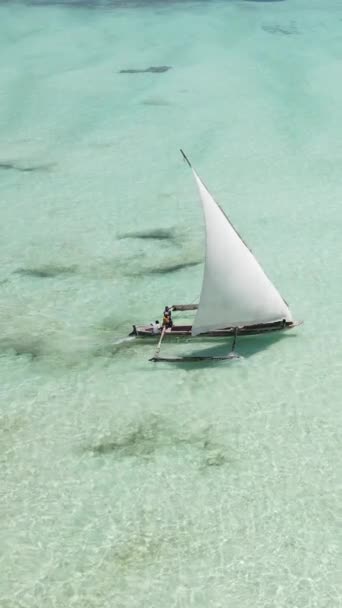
pixel 235 289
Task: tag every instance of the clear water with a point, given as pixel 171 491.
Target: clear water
pixel 125 483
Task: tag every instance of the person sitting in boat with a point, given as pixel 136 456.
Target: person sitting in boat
pixel 167 319
pixel 155 327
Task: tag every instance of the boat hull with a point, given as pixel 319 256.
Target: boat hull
pixel 184 331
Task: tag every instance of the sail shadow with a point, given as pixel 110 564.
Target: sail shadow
pixel 246 347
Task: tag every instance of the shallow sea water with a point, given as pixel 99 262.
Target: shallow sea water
pixel 125 483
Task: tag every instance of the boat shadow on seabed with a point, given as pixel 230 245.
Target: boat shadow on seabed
pixel 219 353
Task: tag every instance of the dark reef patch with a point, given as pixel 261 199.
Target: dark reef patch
pixel 10 426
pixel 173 267
pixel 262 1
pixel 155 101
pixel 139 442
pixel 153 434
pixel 279 29
pixel 159 69
pixel 11 166
pixel 31 347
pixel 119 4
pixel 159 234
pixel 47 272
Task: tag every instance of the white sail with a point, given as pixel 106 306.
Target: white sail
pixel 235 289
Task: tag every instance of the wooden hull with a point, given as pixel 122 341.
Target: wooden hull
pixel 184 331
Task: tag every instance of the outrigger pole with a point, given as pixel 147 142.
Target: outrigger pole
pixel 234 340
pixel 156 354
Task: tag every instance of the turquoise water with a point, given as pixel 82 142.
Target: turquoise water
pixel 124 483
